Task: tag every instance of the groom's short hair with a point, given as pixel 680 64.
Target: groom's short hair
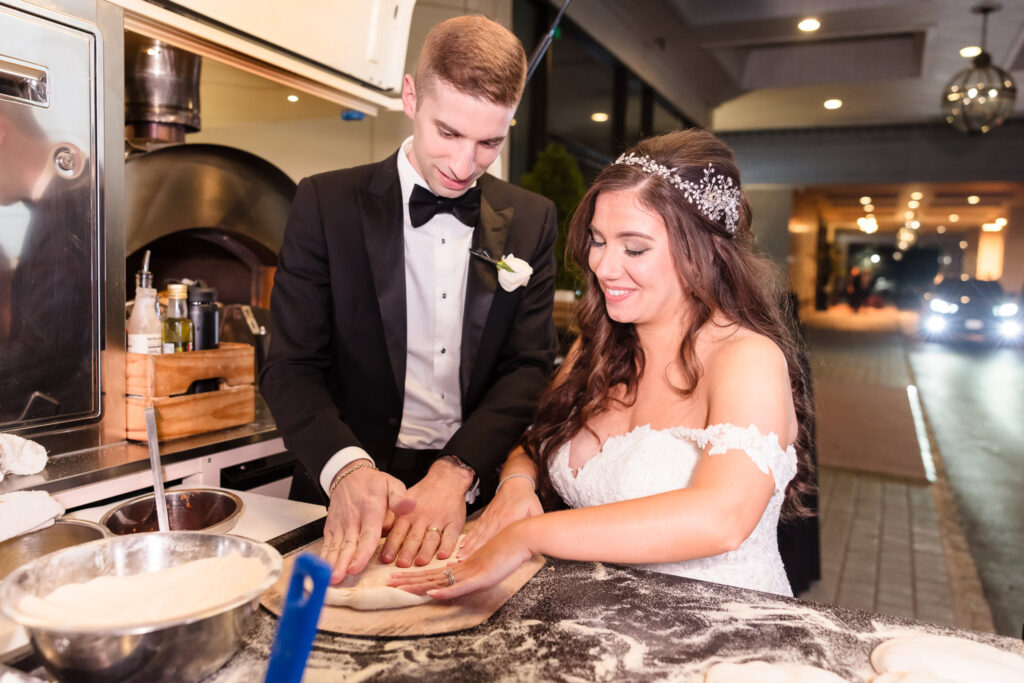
pixel 476 56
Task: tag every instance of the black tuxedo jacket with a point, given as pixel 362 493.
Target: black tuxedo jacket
pixel 335 373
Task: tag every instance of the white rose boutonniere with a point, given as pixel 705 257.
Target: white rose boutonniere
pixel 513 272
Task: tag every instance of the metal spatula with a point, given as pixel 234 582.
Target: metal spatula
pixel 154 465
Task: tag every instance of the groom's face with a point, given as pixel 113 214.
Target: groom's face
pixel 456 136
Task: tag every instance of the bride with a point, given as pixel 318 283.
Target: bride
pixel 675 430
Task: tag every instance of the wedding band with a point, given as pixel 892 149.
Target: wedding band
pixel 451 577
pixel 434 528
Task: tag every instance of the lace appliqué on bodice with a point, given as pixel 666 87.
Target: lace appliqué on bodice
pixel 645 462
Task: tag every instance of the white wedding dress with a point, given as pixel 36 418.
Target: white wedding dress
pixel 646 461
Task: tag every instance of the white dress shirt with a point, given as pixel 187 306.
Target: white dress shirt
pixel 436 267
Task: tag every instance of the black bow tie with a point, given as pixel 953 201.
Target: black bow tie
pixel 424 205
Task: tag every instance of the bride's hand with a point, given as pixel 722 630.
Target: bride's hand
pixel 515 500
pixel 485 568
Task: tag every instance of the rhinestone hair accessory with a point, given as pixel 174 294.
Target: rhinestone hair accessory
pixel 715 195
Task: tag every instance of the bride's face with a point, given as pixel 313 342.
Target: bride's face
pixel 630 255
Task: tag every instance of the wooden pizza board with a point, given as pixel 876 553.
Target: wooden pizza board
pixel 420 620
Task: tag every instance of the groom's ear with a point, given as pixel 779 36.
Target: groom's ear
pixel 409 96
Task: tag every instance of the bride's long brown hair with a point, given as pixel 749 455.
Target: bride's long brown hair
pixel 721 271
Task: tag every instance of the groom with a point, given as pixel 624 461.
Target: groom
pixel 400 371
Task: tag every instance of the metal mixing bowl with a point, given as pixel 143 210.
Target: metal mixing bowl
pixel 183 649
pixel 63 533
pixel 211 510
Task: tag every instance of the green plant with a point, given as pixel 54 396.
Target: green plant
pixel 557 176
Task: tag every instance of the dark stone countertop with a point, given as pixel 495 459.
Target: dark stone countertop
pixel 594 622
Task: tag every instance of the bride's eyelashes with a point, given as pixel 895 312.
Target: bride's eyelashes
pixel 628 249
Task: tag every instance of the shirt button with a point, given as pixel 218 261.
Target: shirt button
pixel 442 397
pixel 444 241
pixel 444 350
pixel 444 295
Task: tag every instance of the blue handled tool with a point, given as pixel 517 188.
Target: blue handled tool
pixel 299 617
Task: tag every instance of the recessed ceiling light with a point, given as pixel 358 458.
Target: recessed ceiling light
pixel 914 225
pixel 963 244
pixel 809 24
pixel 865 199
pixel 908 215
pixel 833 104
pixel 991 227
pixel 954 217
pixel 599 116
pixel 916 196
pixel 973 199
pixel 940 229
pixel 913 204
pixel 970 51
pixel 1000 222
pixel 869 208
pixel 293 98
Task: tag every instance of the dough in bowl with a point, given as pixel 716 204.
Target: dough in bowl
pixel 944 658
pixel 769 672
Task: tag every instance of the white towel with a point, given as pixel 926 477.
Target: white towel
pixel 20 456
pixel 23 511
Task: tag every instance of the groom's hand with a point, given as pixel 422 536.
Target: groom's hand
pixel 355 518
pixel 437 520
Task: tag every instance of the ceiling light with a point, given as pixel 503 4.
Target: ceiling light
pixel 293 98
pixel 916 196
pixel 914 225
pixel 940 229
pixel 809 24
pixel 875 258
pixel 963 244
pixel 991 227
pixel 970 52
pixel 1001 222
pixel 913 204
pixel 980 97
pixel 833 104
pixel 153 51
pixel 908 215
pixel 599 117
pixel 869 208
pixel 897 256
pixel 865 199
pixel 973 199
pixel 954 217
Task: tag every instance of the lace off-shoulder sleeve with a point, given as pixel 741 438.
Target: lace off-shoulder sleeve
pixel 763 449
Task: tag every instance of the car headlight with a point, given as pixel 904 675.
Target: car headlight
pixel 935 324
pixel 942 306
pixel 1011 329
pixel 1006 310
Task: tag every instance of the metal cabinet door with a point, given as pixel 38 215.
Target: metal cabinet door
pixel 49 229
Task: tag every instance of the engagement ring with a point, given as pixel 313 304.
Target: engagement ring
pixel 434 528
pixel 450 577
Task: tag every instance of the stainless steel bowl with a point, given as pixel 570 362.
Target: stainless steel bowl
pixel 211 510
pixel 63 533
pixel 183 649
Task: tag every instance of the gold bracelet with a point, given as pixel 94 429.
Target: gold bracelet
pixel 344 473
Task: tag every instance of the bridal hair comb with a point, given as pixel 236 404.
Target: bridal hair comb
pixel 715 195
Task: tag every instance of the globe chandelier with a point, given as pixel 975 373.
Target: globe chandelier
pixel 980 97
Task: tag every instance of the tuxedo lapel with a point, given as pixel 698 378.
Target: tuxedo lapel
pixel 380 209
pixel 490 235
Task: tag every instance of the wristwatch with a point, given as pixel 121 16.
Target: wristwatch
pixel 474 488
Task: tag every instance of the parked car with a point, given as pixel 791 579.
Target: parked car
pixel 971 309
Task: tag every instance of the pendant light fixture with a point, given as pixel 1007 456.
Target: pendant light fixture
pixel 980 97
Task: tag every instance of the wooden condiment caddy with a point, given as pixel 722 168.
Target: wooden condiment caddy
pixel 162 380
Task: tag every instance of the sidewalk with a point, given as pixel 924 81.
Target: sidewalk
pixel 891 540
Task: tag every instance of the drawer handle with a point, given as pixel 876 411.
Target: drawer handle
pixel 24 82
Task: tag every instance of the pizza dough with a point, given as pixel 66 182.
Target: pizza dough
pixel 769 672
pixel 369 590
pixel 136 599
pixel 944 658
